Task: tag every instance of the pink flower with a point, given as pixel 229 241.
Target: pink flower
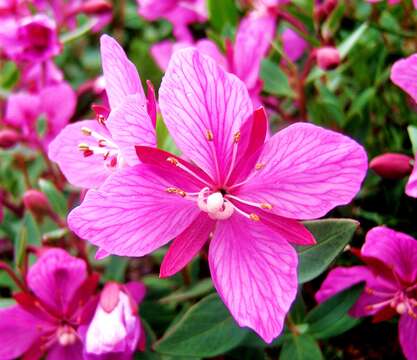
pixel 243 194
pixel 404 75
pixel 31 38
pixel 89 151
pixel 25 110
pixel 46 319
pixel 253 38
pixel 390 275
pixel 294 45
pixel 179 12
pixel 328 57
pixel 392 165
pixel 115 329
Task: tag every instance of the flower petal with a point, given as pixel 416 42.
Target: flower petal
pixel 86 172
pixel 398 251
pixel 18 331
pixel 404 75
pixel 255 273
pixel 70 352
pixel 122 78
pixel 305 171
pixel 131 125
pixel 56 277
pixel 203 108
pixel 132 214
pixel 411 187
pixel 186 245
pixel 407 331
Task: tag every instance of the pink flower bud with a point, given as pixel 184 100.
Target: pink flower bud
pixel 94 7
pixel 328 57
pixel 36 202
pixel 392 166
pixel 8 138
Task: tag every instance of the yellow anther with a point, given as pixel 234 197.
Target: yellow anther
pixel 259 166
pixel 172 160
pixel 254 217
pixel 236 137
pixel 266 206
pixel 209 135
pixel 83 147
pixel 174 190
pixel 86 131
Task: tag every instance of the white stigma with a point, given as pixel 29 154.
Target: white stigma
pixel 66 336
pixel 215 202
pixel 215 205
pixel 401 308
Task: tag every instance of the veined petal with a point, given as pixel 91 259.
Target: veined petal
pixel 122 78
pixel 398 251
pixel 132 213
pixel 130 125
pixel 404 75
pixel 69 352
pixel 304 171
pixel 255 273
pixel 407 331
pixel 87 172
pixel 56 277
pixel 203 108
pixel 18 331
pixel 186 245
pixel 411 187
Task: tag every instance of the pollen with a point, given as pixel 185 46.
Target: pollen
pixel 236 137
pixel 83 147
pixel 86 131
pixel 209 135
pixel 172 160
pixel 259 166
pixel 174 190
pixel 266 206
pixel 254 217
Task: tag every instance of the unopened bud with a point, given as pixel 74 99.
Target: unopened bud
pixel 323 8
pixel 37 202
pixel 94 7
pixel 8 138
pixel 392 166
pixel 328 57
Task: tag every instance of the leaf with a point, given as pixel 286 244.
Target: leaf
pixel 275 81
pixel 4 303
pixel 347 45
pixel 332 235
pixel 164 141
pixel 206 330
pixel 301 347
pixel 222 13
pixel 34 234
pixel 20 247
pixel 9 75
pixel 331 318
pixel 116 268
pixel 412 133
pixel 201 288
pixel 56 198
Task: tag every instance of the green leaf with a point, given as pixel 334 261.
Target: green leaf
pixel 347 45
pixel 332 235
pixel 34 234
pixel 4 303
pixel 41 127
pixel 222 13
pixel 412 133
pixel 275 81
pixel 116 268
pixel 164 140
pixel 201 288
pixel 20 247
pixel 331 317
pixel 56 198
pixel 360 102
pixel 9 75
pixel 301 347
pixel 206 330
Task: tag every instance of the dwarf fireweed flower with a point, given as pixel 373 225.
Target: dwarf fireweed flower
pixel 88 151
pixel 390 274
pixel 241 193
pixel 47 316
pixel 115 329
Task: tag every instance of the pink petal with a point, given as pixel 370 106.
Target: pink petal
pixel 132 214
pixel 255 273
pixel 186 245
pixel 101 254
pixel 122 78
pixel 136 290
pixel 253 40
pixel 70 352
pixel 398 251
pixel 200 101
pixel 209 47
pixel 407 331
pixel 86 172
pixel 55 278
pixel 293 44
pixel 411 187
pixel 22 109
pixel 131 125
pixel 18 331
pixel 161 53
pixel 306 171
pixel 404 75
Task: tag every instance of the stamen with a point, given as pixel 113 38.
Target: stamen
pixel 172 160
pixel 175 162
pixel 86 131
pixel 83 147
pixel 236 137
pixel 209 135
pixel 251 216
pixel 102 143
pixel 259 166
pixel 254 217
pixel 264 206
pixel 174 190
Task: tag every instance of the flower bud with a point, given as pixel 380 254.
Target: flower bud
pixel 8 138
pixel 392 166
pixel 328 57
pixel 36 202
pixel 94 7
pixel 323 8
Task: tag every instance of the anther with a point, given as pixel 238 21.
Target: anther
pixel 173 190
pixel 102 143
pixel 254 217
pixel 172 160
pixel 83 147
pixel 101 119
pixel 266 206
pixel 236 137
pixel 259 166
pixel 209 135
pixel 86 131
pixel 88 153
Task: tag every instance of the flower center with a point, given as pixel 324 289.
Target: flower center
pixel 214 204
pixel 66 335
